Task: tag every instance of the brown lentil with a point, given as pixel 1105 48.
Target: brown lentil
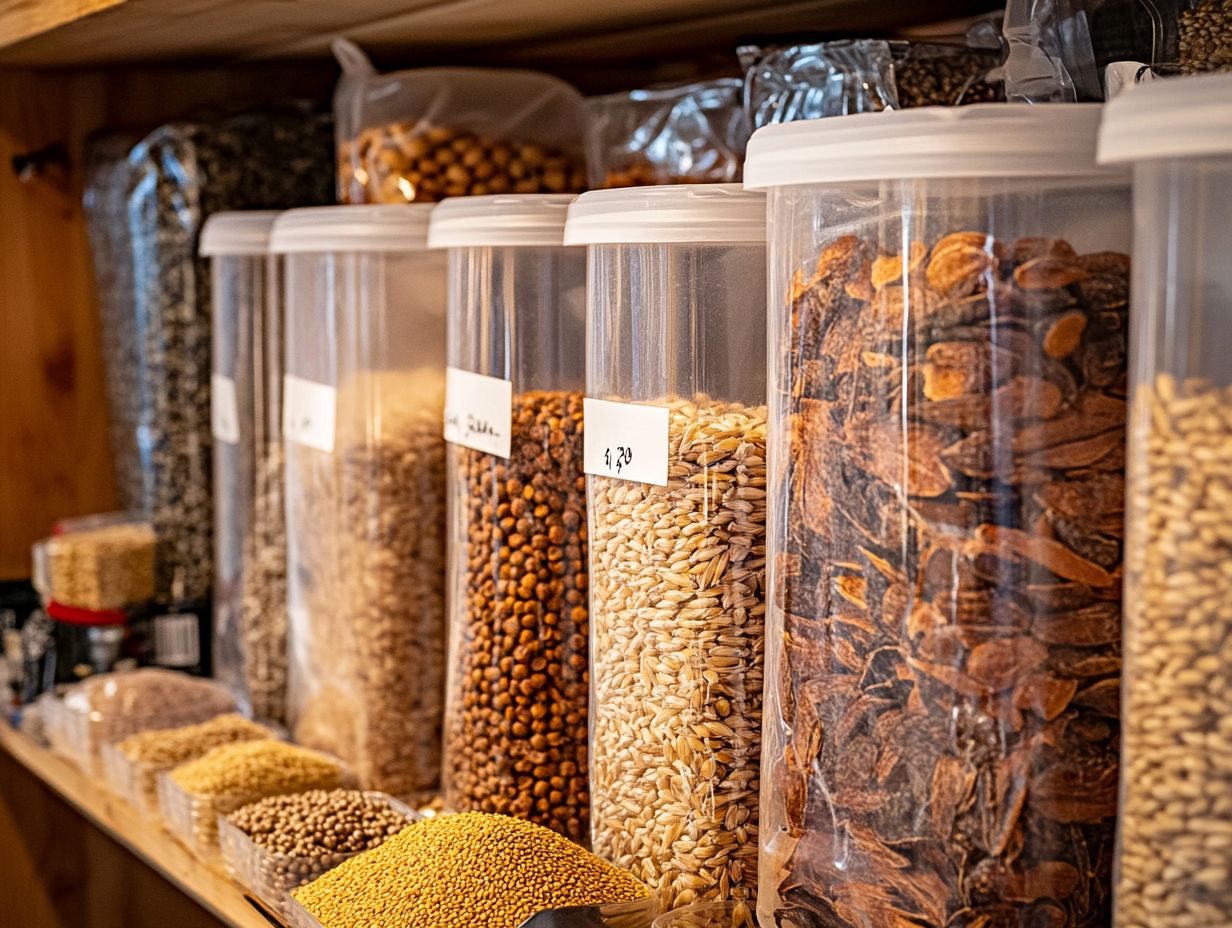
pixel 1175 842
pixel 678 611
pixel 281 842
pixel 472 870
pixel 516 729
pixel 400 163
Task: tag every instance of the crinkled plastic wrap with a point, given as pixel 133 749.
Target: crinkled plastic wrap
pixel 946 536
pixel 815 80
pixel 428 133
pixel 145 205
pixel 687 134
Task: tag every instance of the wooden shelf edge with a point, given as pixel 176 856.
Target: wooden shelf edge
pixel 25 19
pixel 147 840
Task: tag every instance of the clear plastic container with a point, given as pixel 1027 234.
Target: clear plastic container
pixel 100 562
pixel 709 915
pixel 363 403
pixel 270 875
pixel 516 713
pixel 675 446
pixel 941 740
pixel 111 706
pixel 250 545
pixel 1174 855
pixel 193 818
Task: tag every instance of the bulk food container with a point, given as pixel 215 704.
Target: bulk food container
pixel 250 547
pixel 516 715
pixel 365 480
pixel 948 295
pixel 675 443
pixel 1175 845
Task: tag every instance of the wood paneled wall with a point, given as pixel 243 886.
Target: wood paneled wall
pixel 54 456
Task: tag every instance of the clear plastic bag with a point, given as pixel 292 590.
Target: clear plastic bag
pixel 686 134
pixel 818 79
pixel 428 133
pixel 943 660
pixel 145 206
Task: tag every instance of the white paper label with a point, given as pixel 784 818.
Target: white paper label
pixel 625 440
pixel 308 413
pixel 176 641
pixel 478 411
pixel 224 411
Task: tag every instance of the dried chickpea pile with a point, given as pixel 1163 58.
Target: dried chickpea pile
pixel 473 870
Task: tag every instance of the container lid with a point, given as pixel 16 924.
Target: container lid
pixel 401 227
pixel 698 213
pixel 239 233
pixel 984 140
pixel 1178 118
pixel 499 219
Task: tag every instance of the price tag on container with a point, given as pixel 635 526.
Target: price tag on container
pixel 177 641
pixel 224 411
pixel 627 441
pixel 478 411
pixel 308 413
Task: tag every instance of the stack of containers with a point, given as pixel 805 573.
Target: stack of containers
pixel 365 480
pixel 516 720
pixel 675 444
pixel 1175 849
pixel 948 397
pixel 250 557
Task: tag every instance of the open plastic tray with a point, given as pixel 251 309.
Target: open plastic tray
pixel 271 876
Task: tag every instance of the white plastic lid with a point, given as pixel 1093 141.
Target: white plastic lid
pixel 697 213
pixel 984 140
pixel 402 227
pixel 1178 118
pixel 499 219
pixel 238 233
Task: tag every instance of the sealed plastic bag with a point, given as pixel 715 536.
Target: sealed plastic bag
pixel 687 134
pixel 145 206
pixel 429 133
pixel 818 79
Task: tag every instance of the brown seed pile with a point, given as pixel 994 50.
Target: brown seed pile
pixel 516 730
pixel 472 870
pixel 107 567
pixel 941 75
pixel 132 766
pixel 1205 37
pixel 677 606
pixel 402 163
pixel 1175 865
pixel 371 573
pixel 281 842
pixel 193 795
pixel 263 590
pixel 947 586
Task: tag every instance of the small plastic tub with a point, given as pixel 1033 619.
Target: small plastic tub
pixel 272 876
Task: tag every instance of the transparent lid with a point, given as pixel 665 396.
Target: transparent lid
pixel 984 140
pixel 1177 118
pixel 691 213
pixel 238 233
pixel 499 219
pixel 402 227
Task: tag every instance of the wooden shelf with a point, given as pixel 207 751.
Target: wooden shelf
pixel 77 32
pixel 147 840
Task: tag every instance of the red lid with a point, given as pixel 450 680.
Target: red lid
pixel 75 615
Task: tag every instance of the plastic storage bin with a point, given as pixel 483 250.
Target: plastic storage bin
pixel 270 875
pixel 100 563
pixel 250 545
pixel 1175 846
pixel 516 713
pixel 365 477
pixel 949 294
pixel 675 444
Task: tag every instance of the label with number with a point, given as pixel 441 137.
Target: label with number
pixel 478 411
pixel 224 411
pixel 176 640
pixel 308 413
pixel 625 440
